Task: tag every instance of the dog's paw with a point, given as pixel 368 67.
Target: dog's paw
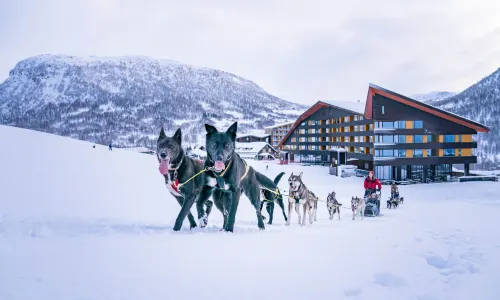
pixel 203 221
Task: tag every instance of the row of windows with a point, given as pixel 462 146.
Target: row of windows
pixel 400 124
pixel 356 128
pixel 338 139
pixel 418 138
pixel 402 139
pixel 414 152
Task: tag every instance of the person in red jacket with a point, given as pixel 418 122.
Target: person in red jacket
pixel 371 183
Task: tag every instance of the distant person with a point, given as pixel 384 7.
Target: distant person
pixel 110 147
pixel 93 146
pixel 267 167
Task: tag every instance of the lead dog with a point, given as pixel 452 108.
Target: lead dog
pixel 177 168
pixel 230 176
pixel 333 205
pixel 301 195
pixel 358 207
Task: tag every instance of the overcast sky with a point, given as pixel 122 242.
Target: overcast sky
pixel 302 51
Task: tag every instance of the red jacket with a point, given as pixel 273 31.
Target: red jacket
pixel 372 183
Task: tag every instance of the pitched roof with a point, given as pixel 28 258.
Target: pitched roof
pixel 374 89
pixel 348 106
pixel 252 147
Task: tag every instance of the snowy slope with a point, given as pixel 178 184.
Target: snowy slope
pixel 125 100
pixel 429 98
pixel 481 103
pixel 84 223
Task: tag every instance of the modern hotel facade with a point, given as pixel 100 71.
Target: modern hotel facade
pixel 397 137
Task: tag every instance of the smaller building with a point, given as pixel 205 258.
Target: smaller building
pixel 256 150
pixel 253 137
pixel 278 132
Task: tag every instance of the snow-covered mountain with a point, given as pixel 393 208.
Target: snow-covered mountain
pixel 126 100
pixel 429 98
pixel 481 103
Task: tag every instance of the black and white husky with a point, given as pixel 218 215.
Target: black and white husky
pixel 299 195
pixel 333 205
pixel 358 207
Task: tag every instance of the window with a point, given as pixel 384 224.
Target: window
pixel 402 124
pixel 387 139
pixel 402 153
pixel 302 147
pixel 418 153
pixel 428 152
pixel 387 124
pixel 327 130
pixel 418 124
pixel 418 139
pixel 371 138
pixel 355 117
pixel 356 139
pixel 302 139
pixel 402 139
pixel 459 152
pixel 459 138
pixel 449 138
pixel 328 122
pixel 449 152
pixel 303 124
pixel 429 138
pixel 383 110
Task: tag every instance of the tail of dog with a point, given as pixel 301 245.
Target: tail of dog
pixel 266 182
pixel 278 178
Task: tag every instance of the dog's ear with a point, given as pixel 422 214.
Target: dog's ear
pixel 233 129
pixel 210 129
pixel 178 136
pixel 162 133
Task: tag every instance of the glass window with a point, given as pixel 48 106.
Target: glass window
pixel 328 122
pixel 387 124
pixel 418 124
pixel 303 124
pixel 428 152
pixel 387 153
pixel 418 153
pixel 429 138
pixel 402 124
pixel 449 152
pixel 449 138
pixel 387 139
pixel 459 138
pixel 418 139
pixel 402 152
pixel 383 110
pixel 402 139
pixel 346 119
pixel 459 152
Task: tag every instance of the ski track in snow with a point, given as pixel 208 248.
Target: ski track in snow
pixel 101 228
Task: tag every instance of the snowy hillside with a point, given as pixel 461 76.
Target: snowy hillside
pixel 78 222
pixel 126 100
pixel 429 98
pixel 481 103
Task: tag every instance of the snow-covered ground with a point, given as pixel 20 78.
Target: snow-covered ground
pixel 84 223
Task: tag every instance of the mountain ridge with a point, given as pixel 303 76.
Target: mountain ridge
pixel 125 100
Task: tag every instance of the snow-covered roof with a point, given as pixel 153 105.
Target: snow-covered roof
pixel 279 125
pixel 257 135
pixel 253 147
pixel 352 106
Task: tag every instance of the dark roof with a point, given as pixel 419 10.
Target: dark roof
pixel 374 89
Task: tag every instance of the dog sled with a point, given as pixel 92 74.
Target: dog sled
pixel 372 200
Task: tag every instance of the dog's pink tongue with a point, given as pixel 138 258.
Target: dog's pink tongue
pixel 219 165
pixel 164 165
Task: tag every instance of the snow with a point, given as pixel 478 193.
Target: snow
pixel 353 106
pixel 84 223
pixel 255 134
